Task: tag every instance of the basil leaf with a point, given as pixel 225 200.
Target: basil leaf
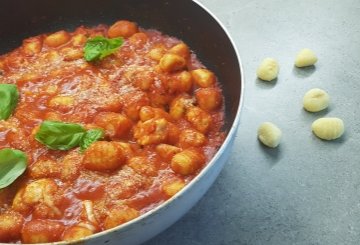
pixel 90 137
pixel 12 164
pixel 99 47
pixel 59 135
pixel 9 97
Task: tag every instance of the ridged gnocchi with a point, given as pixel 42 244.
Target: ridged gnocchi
pixel 180 49
pixel 203 78
pixel 56 39
pixel 173 187
pixel 103 156
pixel 10 225
pixel 153 131
pixel 167 151
pixel 40 196
pixel 269 134
pixel 199 118
pixel 328 128
pixel 187 161
pixel 316 100
pixel 120 215
pixel 76 232
pixel 42 231
pixel 268 69
pixel 115 124
pixel 172 62
pixel 208 99
pixel 122 28
pixel 305 57
pixel 189 137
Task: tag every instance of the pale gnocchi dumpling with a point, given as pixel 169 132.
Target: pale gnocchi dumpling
pixel 316 100
pixel 269 134
pixel 328 128
pixel 268 70
pixel 305 57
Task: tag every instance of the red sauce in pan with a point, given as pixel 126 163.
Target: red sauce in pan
pixel 161 111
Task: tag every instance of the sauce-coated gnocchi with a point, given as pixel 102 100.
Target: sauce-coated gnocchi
pixel 139 121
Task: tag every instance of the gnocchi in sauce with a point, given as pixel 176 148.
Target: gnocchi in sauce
pixel 161 112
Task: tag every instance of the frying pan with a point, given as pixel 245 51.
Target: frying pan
pixel 186 20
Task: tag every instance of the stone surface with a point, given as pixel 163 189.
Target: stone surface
pixel 307 190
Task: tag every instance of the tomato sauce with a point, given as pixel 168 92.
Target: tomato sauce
pixel 143 96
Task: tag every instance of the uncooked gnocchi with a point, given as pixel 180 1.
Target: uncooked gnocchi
pixel 316 100
pixel 269 134
pixel 268 69
pixel 306 57
pixel 328 128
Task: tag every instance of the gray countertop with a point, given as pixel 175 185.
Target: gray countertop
pixel 307 191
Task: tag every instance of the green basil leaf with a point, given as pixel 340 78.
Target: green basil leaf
pixel 9 97
pixel 99 47
pixel 59 135
pixel 12 164
pixel 90 137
